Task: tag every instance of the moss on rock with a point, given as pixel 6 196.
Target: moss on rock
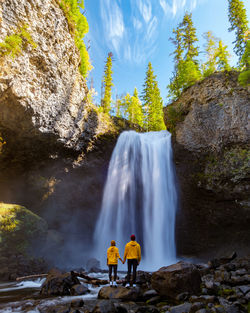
pixel 19 228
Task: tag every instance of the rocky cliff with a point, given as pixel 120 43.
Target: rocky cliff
pixel 210 122
pixel 42 92
pixel 54 145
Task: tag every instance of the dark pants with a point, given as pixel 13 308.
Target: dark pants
pixel 134 263
pixel 114 266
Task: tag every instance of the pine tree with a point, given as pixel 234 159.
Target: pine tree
pixel 244 77
pixel 209 67
pixel 189 37
pixel 152 102
pixel 239 23
pixel 186 69
pixel 222 57
pixel 107 83
pixel 217 55
pixel 135 114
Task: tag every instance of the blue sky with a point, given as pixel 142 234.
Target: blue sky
pixel 138 31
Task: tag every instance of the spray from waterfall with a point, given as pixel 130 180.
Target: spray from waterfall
pixel 140 198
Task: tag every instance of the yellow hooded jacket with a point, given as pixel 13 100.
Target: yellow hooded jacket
pixel 132 251
pixel 113 255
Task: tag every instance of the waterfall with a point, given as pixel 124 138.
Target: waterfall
pixel 140 198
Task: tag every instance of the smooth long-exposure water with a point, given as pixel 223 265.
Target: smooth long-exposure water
pixel 140 197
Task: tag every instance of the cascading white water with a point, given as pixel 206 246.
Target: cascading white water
pixel 140 198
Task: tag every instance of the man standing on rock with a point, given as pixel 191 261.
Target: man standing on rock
pixel 133 254
pixel 112 261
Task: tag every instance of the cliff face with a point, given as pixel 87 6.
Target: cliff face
pixel 41 90
pixel 211 148
pixel 54 146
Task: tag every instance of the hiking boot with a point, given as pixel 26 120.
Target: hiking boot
pixel 110 283
pixel 115 284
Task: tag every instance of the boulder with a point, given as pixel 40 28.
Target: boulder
pixel 147 309
pixel 182 308
pixel 78 290
pixel 93 265
pixel 104 307
pixel 120 292
pixel 143 278
pixel 58 283
pixel 172 280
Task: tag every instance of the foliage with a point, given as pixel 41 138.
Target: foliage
pixel 217 55
pixel 2 143
pixel 15 43
pixel 174 114
pixel 244 77
pixel 239 23
pixel 19 227
pixel 186 68
pixel 152 102
pixel 107 81
pixel 189 37
pixel 78 26
pixel 130 108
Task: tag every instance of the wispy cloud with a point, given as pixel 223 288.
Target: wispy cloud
pixel 152 26
pixel 135 38
pixel 145 9
pixel 113 23
pixel 174 7
pixel 137 23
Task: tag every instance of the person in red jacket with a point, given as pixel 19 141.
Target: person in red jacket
pixel 112 262
pixel 132 253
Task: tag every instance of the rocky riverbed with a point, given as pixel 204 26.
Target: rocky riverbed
pixel 221 285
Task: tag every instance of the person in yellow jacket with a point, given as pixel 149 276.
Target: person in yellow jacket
pixel 133 254
pixel 112 262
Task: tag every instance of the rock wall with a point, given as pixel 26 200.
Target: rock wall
pixel 211 149
pixel 41 90
pixel 54 146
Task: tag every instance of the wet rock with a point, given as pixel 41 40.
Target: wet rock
pixel 182 296
pixel 120 292
pixel 93 265
pixel 78 290
pixel 182 308
pixel 143 278
pixel 154 300
pixel 77 303
pixel 172 280
pixel 58 283
pixel 104 307
pixel 58 309
pixel 203 299
pixel 147 309
pixel 203 311
pixel 196 306
pixel 149 294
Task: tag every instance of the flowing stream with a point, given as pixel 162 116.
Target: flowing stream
pixel 140 197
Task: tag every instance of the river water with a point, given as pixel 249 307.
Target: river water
pixel 24 296
pixel 140 197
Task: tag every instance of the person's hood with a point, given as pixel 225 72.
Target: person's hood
pixel 133 243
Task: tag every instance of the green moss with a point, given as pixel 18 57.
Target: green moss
pixel 174 114
pixel 19 227
pixel 14 44
pixel 226 292
pixel 231 165
pixel 78 26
